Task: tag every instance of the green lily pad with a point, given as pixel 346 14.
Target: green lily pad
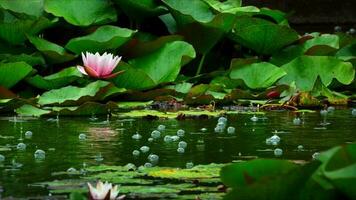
pixel 169 115
pixel 31 8
pixel 53 52
pixel 258 75
pixel 141 10
pixel 104 38
pixel 133 104
pixel 72 94
pixel 12 73
pixel 34 59
pixel 30 110
pixel 158 67
pixel 82 13
pixel 57 80
pixel 305 70
pixel 262 36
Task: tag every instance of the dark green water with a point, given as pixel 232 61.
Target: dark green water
pixel 113 141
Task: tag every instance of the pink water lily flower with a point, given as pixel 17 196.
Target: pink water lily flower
pixel 99 66
pixel 104 191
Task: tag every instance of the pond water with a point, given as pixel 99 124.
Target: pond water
pixel 112 143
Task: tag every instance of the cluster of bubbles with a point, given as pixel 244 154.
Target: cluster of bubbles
pixel 351 31
pixel 221 126
pixel 273 140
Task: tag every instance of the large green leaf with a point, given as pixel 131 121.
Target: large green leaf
pixel 33 59
pixel 160 66
pixel 12 73
pixel 82 13
pixel 57 80
pixel 140 10
pixel 71 93
pixel 257 75
pixel 231 6
pixel 104 38
pixel 53 52
pixel 305 70
pixel 261 35
pixel 14 30
pixel 31 7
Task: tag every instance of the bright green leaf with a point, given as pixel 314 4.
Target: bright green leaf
pixel 12 73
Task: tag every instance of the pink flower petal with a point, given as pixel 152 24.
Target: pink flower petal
pixel 81 70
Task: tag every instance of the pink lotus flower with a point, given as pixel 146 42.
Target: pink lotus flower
pixel 99 66
pixel 104 191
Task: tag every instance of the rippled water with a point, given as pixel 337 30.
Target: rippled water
pixel 113 143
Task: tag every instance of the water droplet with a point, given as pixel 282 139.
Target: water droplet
pixel 71 170
pixel 175 138
pixel 274 140
pixel 150 139
pixel 99 158
pixel 203 129
pixel 21 146
pixel 180 133
pixel 300 148
pixel 254 118
pixel 189 165
pixel 144 149
pixel 337 29
pixel 28 134
pixel 136 136
pixel 315 155
pixel 297 121
pixel 153 158
pixel 148 165
pixel 130 167
pixel 135 152
pixel 155 134
pixel 167 138
pixel 231 130
pixel 323 112
pixel 331 109
pixel 82 136
pixel 222 120
pixel 2 158
pixel 222 125
pixel 278 152
pixel 182 144
pixel 180 150
pixel 218 129
pixel 161 127
pixel 353 112
pixel 40 154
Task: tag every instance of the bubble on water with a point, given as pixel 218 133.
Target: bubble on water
pixel 353 112
pixel 352 31
pixel 274 140
pixel 167 138
pixel 135 152
pixel 315 155
pixel 136 136
pixel 218 129
pixel 180 133
pixel 278 152
pixel 99 158
pixel 189 165
pixel 130 167
pixel 155 134
pixel 331 109
pixel 300 148
pixel 254 118
pixel 222 120
pixel 161 127
pixel 144 149
pixel 21 146
pixel 150 139
pixel 82 136
pixel 297 121
pixel 337 29
pixel 221 125
pixel 40 154
pixel 203 129
pixel 231 130
pixel 147 165
pixel 153 158
pixel 141 168
pixel 2 158
pixel 28 134
pixel 71 170
pixel 180 150
pixel 323 112
pixel 182 144
pixel 175 138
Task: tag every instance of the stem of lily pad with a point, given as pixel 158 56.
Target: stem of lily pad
pixel 200 64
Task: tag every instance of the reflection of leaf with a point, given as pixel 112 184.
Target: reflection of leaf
pixel 12 73
pixel 158 67
pixel 82 13
pixel 258 75
pixel 305 70
pixel 57 80
pixel 262 36
pixel 71 93
pixel 104 38
pixel 53 52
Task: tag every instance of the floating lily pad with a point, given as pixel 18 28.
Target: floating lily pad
pixel 30 110
pixel 12 73
pixel 104 38
pixel 31 8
